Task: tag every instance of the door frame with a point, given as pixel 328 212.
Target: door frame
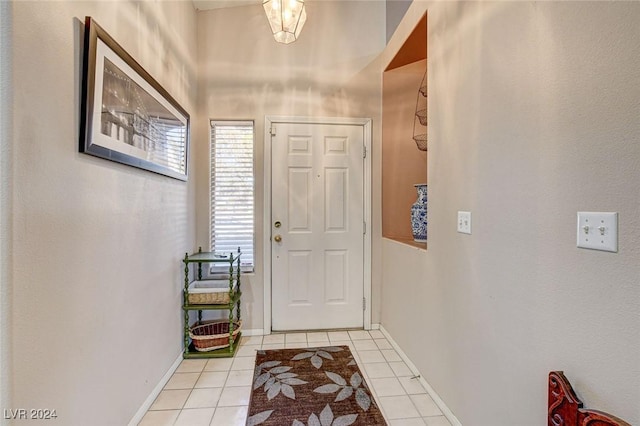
pixel 365 123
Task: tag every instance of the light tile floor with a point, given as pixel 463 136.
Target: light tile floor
pixel 216 392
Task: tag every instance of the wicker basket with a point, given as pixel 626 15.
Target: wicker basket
pixel 421 141
pixel 209 292
pixel 212 335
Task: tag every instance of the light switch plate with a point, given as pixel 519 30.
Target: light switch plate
pixel 464 222
pixel 598 231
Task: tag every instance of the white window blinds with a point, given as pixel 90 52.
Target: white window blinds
pixel 232 189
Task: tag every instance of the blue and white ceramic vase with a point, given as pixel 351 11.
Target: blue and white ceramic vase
pixel 419 214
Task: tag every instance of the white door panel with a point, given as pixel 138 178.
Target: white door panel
pixel 318 197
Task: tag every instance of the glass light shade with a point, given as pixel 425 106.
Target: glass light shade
pixel 286 18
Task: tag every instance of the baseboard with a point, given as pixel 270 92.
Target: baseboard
pixel 375 326
pixel 155 392
pixel 253 332
pixel 432 393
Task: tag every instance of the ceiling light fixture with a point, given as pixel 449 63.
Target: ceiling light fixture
pixel 286 17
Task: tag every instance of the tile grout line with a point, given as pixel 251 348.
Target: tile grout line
pixel 448 414
pixel 144 408
pixel 306 344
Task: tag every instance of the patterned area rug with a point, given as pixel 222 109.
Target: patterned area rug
pixel 310 387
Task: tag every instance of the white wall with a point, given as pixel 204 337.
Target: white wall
pixel 96 245
pixel 333 70
pixel 533 116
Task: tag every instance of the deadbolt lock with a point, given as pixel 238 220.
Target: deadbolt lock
pixel 277 224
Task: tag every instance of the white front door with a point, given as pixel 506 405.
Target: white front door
pixel 317 221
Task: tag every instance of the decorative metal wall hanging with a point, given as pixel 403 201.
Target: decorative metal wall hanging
pixel 420 119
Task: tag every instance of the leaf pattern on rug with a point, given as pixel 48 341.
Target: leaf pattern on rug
pixel 340 384
pixel 259 418
pixel 276 379
pixel 352 361
pixel 327 390
pixel 316 354
pixel 327 419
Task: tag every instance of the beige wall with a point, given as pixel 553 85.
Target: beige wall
pixel 5 200
pixel 96 245
pixel 331 71
pixel 534 106
pixel 533 116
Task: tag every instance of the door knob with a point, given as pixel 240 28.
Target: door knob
pixel 277 238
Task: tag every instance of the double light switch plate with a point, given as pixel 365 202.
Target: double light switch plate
pixel 598 231
pixel 464 222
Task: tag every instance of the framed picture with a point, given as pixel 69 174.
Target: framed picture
pixel 126 115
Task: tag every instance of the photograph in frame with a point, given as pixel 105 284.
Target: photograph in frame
pixel 127 116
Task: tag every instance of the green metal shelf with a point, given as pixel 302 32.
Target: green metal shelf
pixel 234 301
pixel 208 257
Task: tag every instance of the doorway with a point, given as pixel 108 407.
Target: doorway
pixel 317 245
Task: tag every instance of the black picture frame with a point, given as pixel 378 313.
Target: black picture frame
pixel 126 115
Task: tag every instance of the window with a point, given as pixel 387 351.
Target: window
pixel 232 189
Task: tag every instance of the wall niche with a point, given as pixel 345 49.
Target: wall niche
pixel 403 164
